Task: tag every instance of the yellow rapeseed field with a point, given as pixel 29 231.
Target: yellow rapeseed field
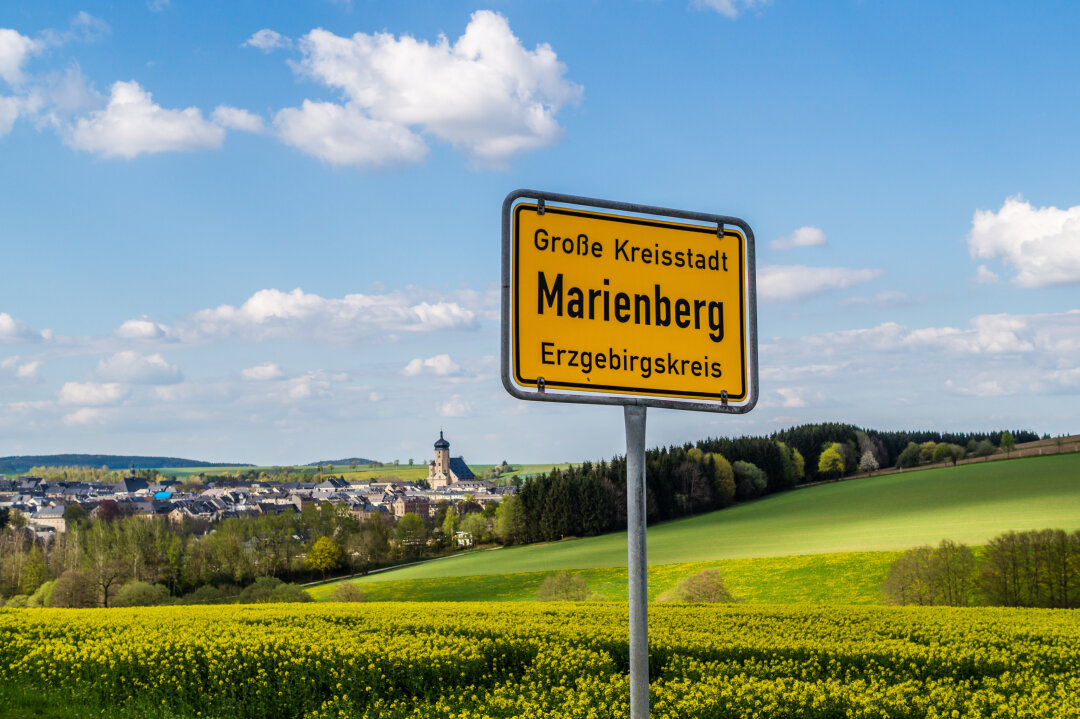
pixel 557 661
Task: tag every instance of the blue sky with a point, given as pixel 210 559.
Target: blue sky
pixel 269 232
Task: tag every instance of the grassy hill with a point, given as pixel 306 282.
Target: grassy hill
pixel 970 503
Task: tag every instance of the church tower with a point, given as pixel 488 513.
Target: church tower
pixel 439 471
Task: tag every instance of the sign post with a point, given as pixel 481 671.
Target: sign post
pixel 621 304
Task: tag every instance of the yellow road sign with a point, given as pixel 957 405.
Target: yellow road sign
pixel 628 305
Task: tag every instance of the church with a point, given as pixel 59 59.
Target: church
pixel 444 469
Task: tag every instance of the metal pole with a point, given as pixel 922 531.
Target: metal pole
pixel 636 561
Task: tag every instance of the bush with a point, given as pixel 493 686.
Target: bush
pixel 260 590
pixel 272 589
pixel 563 587
pixel 17 602
pixel 705 587
pixel 289 593
pixel 43 596
pixel 140 594
pixel 347 593
pixel 74 589
pixel 750 480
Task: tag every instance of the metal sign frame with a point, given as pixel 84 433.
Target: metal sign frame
pixel 543 394
pixel 634 408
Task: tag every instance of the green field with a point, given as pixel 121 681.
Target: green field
pixel 848 578
pixel 970 503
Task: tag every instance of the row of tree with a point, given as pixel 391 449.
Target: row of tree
pixel 1016 569
pixel 291 546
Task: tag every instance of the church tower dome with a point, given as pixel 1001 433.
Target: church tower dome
pixel 441 443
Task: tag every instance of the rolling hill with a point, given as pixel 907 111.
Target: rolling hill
pixel 970 503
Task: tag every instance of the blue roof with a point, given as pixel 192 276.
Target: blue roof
pixel 460 469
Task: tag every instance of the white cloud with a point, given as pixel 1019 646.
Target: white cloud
pixel 485 94
pixel 234 118
pixel 374 397
pixel 985 276
pixel 262 372
pixel 12 331
pixel 729 8
pixel 344 135
pixel 984 388
pixel 455 407
pixel 791 396
pixel 92 393
pixel 439 365
pixel 802 237
pixel 21 370
pixel 15 48
pixel 132 124
pixel 1042 244
pixel 141 329
pixel 83 416
pixel 267 40
pixel 796 282
pixel 135 368
pixel 158 5
pixel 9 112
pixel 83 27
pixel 273 314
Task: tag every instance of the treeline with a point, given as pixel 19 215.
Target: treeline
pixel 1016 569
pixel 22 463
pixel 185 562
pixel 590 498
pixel 813 439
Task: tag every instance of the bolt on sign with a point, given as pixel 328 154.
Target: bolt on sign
pixel 613 303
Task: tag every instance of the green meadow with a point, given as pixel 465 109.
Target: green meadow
pixel 847 578
pixel 828 543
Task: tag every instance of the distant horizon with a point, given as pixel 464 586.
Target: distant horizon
pixel 420 461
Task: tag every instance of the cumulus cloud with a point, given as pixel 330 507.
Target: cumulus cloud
pixel 267 40
pixel 262 372
pixel 141 329
pixel 439 365
pixel 802 237
pixel 273 314
pixel 985 276
pixel 344 135
pixel 485 94
pixel 455 407
pixel 1041 243
pixel 729 8
pixel 1051 335
pixel 234 118
pixel 19 368
pixel 796 282
pixel 132 124
pixel 15 49
pixel 12 331
pixel 92 393
pixel 135 368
